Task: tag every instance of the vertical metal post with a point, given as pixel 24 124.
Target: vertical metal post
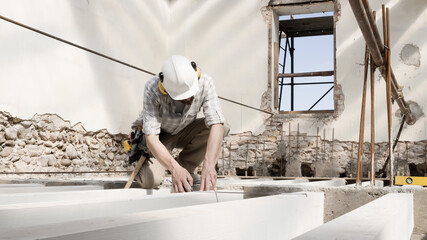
pixel 317 145
pixel 289 142
pixel 291 51
pixel 372 168
pixel 246 162
pixel 229 160
pixel 263 153
pixel 333 143
pixel 256 159
pixel 223 159
pixel 324 144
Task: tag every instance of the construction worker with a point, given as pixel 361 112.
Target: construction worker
pixel 172 101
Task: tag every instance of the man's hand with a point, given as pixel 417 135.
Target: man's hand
pixel 181 179
pixel 208 177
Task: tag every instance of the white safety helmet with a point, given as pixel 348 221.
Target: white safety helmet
pixel 180 78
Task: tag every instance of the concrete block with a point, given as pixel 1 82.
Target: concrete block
pixel 5 185
pixel 87 207
pixel 274 217
pixel 388 217
pixel 326 183
pixel 239 184
pixel 378 183
pixel 12 190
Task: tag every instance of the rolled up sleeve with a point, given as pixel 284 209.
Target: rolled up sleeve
pixel 211 105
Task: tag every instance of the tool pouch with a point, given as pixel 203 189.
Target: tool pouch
pixel 139 146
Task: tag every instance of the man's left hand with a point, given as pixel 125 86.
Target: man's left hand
pixel 208 177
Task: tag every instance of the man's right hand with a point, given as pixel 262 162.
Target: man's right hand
pixel 181 179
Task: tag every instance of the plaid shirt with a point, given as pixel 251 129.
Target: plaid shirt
pixel 160 111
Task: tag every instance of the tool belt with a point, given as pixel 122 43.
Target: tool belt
pixel 136 146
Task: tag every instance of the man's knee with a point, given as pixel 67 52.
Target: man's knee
pixel 151 174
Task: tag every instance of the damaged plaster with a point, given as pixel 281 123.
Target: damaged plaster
pixel 410 55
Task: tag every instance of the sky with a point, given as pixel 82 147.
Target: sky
pixel 311 54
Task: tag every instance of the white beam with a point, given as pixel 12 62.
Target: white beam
pixel 274 217
pixel 388 217
pixel 48 189
pixel 111 194
pixel 105 205
pixel 14 185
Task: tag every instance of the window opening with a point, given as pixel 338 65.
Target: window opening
pixel 306 65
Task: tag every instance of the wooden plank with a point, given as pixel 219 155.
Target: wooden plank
pixel 306 74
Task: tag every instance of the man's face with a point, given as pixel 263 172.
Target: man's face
pixel 187 101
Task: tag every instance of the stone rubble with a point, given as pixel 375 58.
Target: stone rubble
pixel 47 143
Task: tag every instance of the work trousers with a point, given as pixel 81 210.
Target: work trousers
pixel 193 141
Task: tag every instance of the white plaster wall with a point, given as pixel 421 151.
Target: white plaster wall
pixel 408 25
pixel 41 75
pixel 229 41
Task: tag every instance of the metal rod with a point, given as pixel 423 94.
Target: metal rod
pixel 289 142
pixel 351 157
pixel 229 160
pixel 263 153
pixel 320 99
pixel 244 105
pixel 74 45
pixel 223 159
pixel 292 50
pixel 256 157
pixel 324 144
pixel 317 145
pixel 307 74
pixel 372 168
pixel 333 142
pixel 396 140
pixel 362 124
pixel 407 153
pixel 425 160
pixel 247 153
pixel 297 137
pixel 107 57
